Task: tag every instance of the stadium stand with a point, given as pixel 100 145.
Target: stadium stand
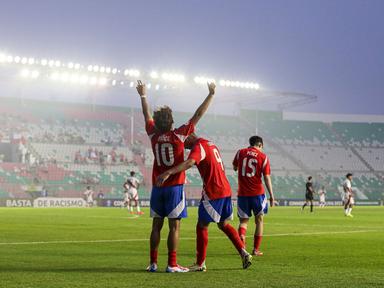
pixel 63 148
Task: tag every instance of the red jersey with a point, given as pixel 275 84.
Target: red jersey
pixel 251 163
pixel 168 149
pixel 211 168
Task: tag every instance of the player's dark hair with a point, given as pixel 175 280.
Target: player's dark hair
pixel 348 175
pixel 256 141
pixel 88 187
pixel 309 178
pixel 132 173
pixel 163 119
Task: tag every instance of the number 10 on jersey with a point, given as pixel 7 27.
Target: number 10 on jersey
pixel 164 154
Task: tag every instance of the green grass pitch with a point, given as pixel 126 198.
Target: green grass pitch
pixel 106 247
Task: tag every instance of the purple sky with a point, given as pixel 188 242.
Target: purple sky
pixel 330 48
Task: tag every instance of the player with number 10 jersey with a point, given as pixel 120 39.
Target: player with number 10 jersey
pixel 168 149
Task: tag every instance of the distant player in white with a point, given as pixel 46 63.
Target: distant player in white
pixel 89 196
pixel 348 195
pixel 322 193
pixel 131 194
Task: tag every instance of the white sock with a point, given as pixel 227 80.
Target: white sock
pixel 346 211
pixel 138 208
pixel 244 252
pixel 350 210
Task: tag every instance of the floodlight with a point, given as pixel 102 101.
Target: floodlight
pixel 25 73
pixel 102 81
pixel 64 77
pixel 70 65
pixel 83 79
pixel 35 74
pixel 77 66
pixel 74 78
pixel 93 81
pixel 31 61
pixel 43 62
pixel 57 63
pixel 17 59
pixel 2 58
pixel 55 76
pixel 154 75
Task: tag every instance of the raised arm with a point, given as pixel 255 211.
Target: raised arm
pixel 268 184
pixel 204 106
pixel 235 162
pixel 177 169
pixel 142 90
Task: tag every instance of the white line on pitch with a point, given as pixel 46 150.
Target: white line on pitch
pixel 183 238
pixel 317 225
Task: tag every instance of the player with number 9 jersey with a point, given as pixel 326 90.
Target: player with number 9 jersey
pixel 216 204
pixel 215 183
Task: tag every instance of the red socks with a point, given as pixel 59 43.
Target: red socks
pixel 171 258
pixel 242 232
pixel 153 255
pixel 234 237
pixel 201 244
pixel 257 242
pixel 172 262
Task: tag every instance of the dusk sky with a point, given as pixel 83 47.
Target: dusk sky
pixel 330 48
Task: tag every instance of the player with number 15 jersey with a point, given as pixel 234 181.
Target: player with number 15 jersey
pixel 251 164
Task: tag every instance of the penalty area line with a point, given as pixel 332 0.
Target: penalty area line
pixel 182 238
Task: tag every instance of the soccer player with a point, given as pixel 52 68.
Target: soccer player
pixel 89 196
pixel 216 204
pixel 309 193
pixel 322 193
pixel 348 200
pixel 251 164
pixel 131 194
pixel 168 150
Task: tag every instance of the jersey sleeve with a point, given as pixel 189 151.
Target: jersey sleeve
pixel 235 161
pixel 197 153
pixel 185 130
pixel 266 166
pixel 150 127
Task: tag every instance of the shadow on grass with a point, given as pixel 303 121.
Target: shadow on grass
pixel 95 270
pixel 73 269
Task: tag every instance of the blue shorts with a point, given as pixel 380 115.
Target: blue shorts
pixel 168 202
pixel 217 210
pixel 248 204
